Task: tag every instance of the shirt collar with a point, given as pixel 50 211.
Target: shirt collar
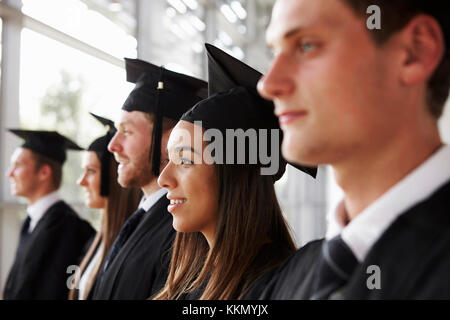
pixel 364 230
pixel 37 209
pixel 147 203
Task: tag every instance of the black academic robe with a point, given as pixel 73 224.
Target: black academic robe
pixel 412 256
pixel 269 256
pixel 40 266
pixel 141 267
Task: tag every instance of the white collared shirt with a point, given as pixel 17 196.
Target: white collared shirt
pixel 88 272
pixel 147 203
pixel 366 228
pixel 37 209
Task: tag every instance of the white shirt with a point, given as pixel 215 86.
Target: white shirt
pixel 364 230
pixel 87 273
pixel 147 203
pixel 37 209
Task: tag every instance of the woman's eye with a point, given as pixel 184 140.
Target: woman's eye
pixel 186 161
pixel 92 171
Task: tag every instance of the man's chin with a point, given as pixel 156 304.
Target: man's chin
pixel 15 192
pixel 124 178
pixel 123 182
pixel 128 182
pixel 300 154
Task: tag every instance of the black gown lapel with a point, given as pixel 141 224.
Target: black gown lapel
pixel 145 240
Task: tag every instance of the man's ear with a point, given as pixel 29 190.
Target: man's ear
pixel 423 42
pixel 45 173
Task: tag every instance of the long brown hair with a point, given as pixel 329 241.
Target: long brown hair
pixel 120 204
pixel 249 219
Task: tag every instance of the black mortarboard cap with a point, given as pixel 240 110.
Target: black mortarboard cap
pixel 100 147
pixel 47 143
pixel 163 93
pixel 234 103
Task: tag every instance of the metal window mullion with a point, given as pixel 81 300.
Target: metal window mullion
pixel 9 115
pixel 44 29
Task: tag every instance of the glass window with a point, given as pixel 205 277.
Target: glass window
pixel 231 32
pixel 58 86
pixel 1 32
pixel 110 28
pixel 184 26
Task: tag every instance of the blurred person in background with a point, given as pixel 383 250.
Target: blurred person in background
pixel 115 203
pixel 52 236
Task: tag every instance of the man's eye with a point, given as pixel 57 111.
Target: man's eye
pixel 306 46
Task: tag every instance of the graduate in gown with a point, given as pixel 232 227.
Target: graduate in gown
pixel 103 192
pixel 136 266
pixel 367 102
pixel 231 231
pixel 53 235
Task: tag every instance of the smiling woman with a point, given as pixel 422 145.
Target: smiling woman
pixel 192 184
pixel 230 228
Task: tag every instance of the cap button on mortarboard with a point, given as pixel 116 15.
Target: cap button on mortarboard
pixel 172 96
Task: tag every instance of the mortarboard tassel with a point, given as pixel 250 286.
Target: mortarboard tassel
pixel 157 127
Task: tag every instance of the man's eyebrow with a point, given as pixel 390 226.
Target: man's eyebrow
pixel 285 36
pixel 182 148
pixel 123 124
pixel 292 32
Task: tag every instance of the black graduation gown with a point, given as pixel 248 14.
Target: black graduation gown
pixel 141 267
pixel 270 252
pixel 412 256
pixel 40 267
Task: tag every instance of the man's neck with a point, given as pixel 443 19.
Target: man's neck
pixel 39 195
pixel 368 175
pixel 151 187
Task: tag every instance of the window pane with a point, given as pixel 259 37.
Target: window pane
pixel 1 42
pixel 184 35
pixel 58 86
pixel 103 27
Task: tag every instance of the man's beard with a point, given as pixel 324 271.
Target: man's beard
pixel 137 176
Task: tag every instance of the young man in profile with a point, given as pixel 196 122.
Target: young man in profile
pixel 52 237
pixel 137 265
pixel 367 102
